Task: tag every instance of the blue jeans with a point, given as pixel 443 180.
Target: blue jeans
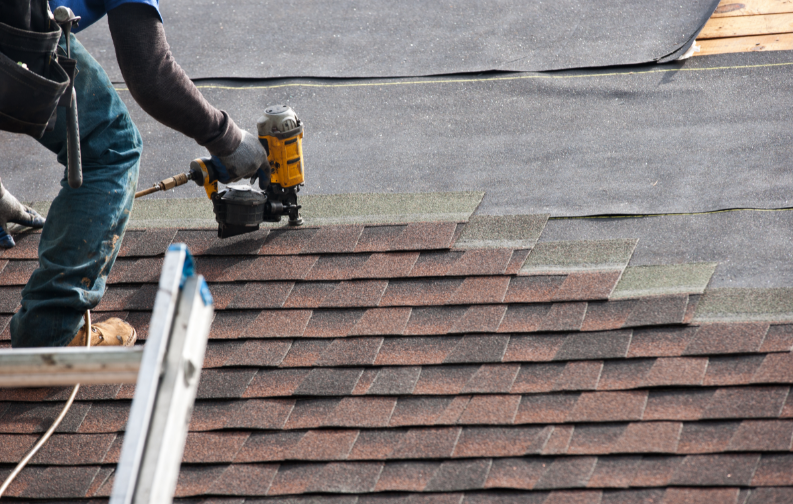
pixel 85 226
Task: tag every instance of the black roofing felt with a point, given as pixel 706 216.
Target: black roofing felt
pixel 356 38
pixel 705 134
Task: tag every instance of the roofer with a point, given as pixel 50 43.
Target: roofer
pixel 85 226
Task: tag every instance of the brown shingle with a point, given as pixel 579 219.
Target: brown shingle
pixel 534 378
pixel 732 370
pixel 324 445
pixel 208 447
pixel 524 318
pixel 676 371
pixel 333 239
pixel 501 441
pixel 390 265
pixel 427 442
pixel 261 295
pixel 605 315
pixel 480 290
pixel 286 241
pixel 564 317
pixel 608 406
pixel 746 402
pixel 377 321
pixel 269 268
pixel 581 375
pixel 415 350
pixel 493 379
pixel 274 382
pixel 778 339
pixel 727 338
pixel 481 262
pixel 406 476
pixel 545 408
pixel 308 294
pixel 362 412
pixel 491 409
pixel 762 435
pixel 624 374
pixel 422 292
pixel 774 469
pixel 336 267
pixel 311 413
pixel 480 319
pixel 376 444
pixel 274 323
pixel 518 473
pixel 433 320
pixel 332 323
pixel 649 437
pixel 706 437
pixel 776 368
pixel 246 479
pixel 533 289
pixel 587 286
pixel 660 342
pixel 677 404
pixel 425 236
pixel 350 352
pixel 445 380
pixel 595 439
pixel 378 238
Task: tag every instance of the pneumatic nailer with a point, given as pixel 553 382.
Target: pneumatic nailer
pixel 240 209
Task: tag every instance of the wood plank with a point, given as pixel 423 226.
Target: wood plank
pixel 743 26
pixel 48 367
pixel 731 8
pixel 781 42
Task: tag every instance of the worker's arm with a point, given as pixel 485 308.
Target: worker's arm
pixel 164 91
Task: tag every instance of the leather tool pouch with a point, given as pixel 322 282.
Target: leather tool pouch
pixel 30 93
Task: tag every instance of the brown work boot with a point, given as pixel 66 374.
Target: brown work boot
pixel 111 332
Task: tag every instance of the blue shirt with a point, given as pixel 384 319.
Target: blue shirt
pixel 92 11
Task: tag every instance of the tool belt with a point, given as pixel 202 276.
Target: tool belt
pixel 29 94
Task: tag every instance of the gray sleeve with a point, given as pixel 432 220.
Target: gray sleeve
pixel 159 84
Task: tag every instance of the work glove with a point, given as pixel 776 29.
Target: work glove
pixel 245 162
pixel 11 210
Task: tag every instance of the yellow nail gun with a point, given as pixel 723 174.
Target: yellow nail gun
pixel 240 209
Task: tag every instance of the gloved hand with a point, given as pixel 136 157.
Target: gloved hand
pixel 11 210
pixel 244 162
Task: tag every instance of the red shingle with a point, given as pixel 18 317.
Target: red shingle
pixel 415 350
pixel 407 476
pixel 286 241
pixel 727 338
pixel 624 374
pixel 275 382
pixel 605 315
pixel 545 408
pixel 649 437
pixel 660 342
pixel 776 368
pixel 444 380
pixel 427 442
pixel 491 409
pixel 518 473
pixel 324 445
pixel 501 441
pixel 332 323
pixel 18 272
pixel 336 267
pixel 261 295
pixel 333 239
pixel 434 264
pixel 377 321
pixel 362 412
pixel 706 437
pixel 311 413
pixel 493 379
pixel 480 290
pixel 274 323
pixel 677 405
pixel 378 238
pixel 425 236
pixel 778 339
pixel 676 371
pixel 207 447
pixel 608 406
pixel 587 286
pixel 481 262
pixel 582 375
pixel 269 268
pixel 763 435
pixel 419 292
pixel 484 318
pixel 434 320
pixel 391 265
pixel 732 370
pixel 533 289
pixel 309 294
pixel 747 402
pixel 524 318
pixel 246 479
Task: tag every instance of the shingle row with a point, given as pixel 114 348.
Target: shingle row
pixel 426 443
pixel 281 241
pixel 526 473
pixel 689 359
pixel 108 416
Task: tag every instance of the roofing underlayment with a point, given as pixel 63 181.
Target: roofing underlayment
pixel 542 286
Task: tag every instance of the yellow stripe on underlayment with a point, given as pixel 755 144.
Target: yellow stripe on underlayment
pixel 641 216
pixel 484 79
